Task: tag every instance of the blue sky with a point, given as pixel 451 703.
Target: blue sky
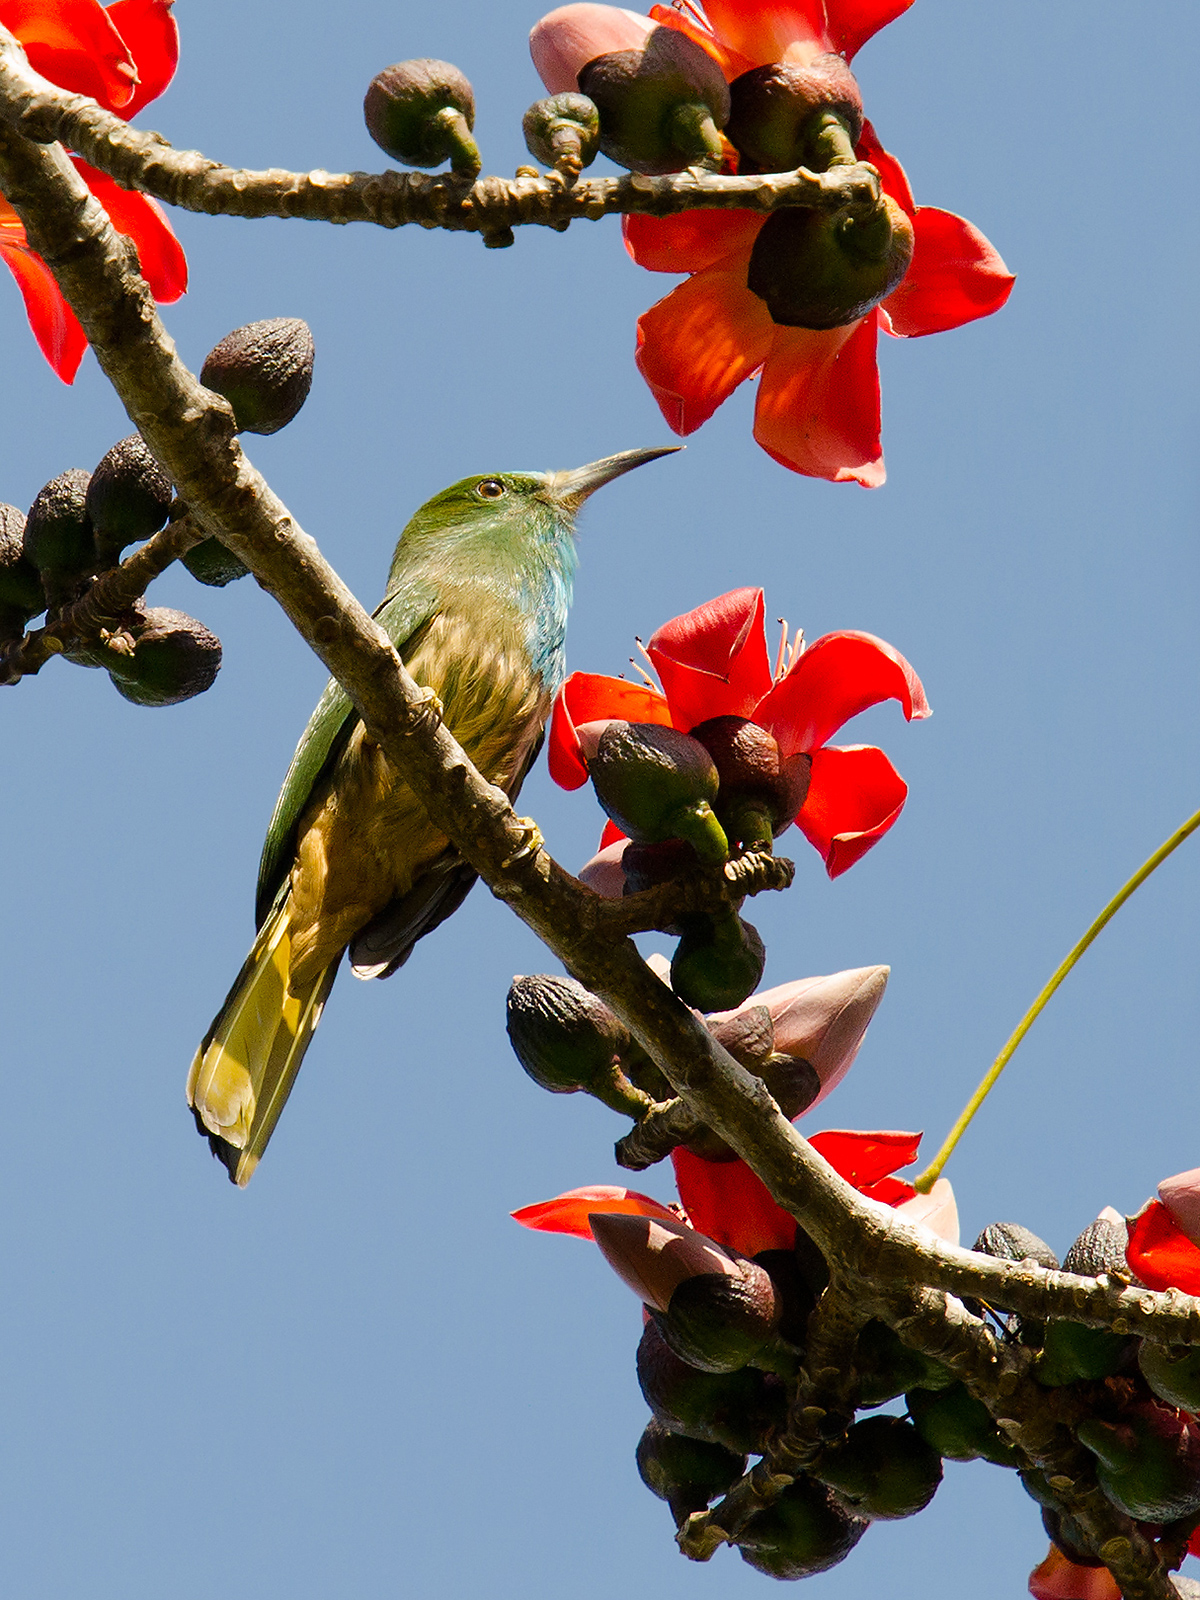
pixel 359 1377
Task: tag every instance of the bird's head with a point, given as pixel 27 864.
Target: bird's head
pixel 499 511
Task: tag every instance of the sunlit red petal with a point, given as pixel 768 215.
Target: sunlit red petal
pixel 891 173
pixel 729 1203
pixel 762 30
pixel 611 835
pixel 689 241
pixel 730 61
pixel 712 662
pixel 956 276
pixel 593 697
pixel 890 1191
pixel 1060 1579
pixel 864 1159
pixel 854 796
pixel 838 676
pixel 568 1213
pixel 149 30
pixel 818 403
pixel 1161 1254
pixel 568 38
pixel 852 22
pixel 163 263
pixel 75 44
pixel 55 326
pixel 698 343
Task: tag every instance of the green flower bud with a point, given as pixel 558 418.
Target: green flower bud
pixel 735 1409
pixel 958 1426
pixel 421 113
pixel 213 563
pixel 776 110
pixel 657 783
pixel 821 269
pixel 567 1040
pixel 173 658
pixel 662 106
pixel 1148 1462
pixel 564 132
pixel 720 1322
pixel 1173 1372
pixel 58 535
pixel 264 370
pixel 688 1474
pixel 1072 1351
pixel 760 793
pixel 718 962
pixel 803 1532
pixel 128 498
pixel 21 593
pixel 883 1469
pixel 887 1367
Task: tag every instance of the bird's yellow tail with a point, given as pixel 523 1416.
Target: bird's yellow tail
pixel 247 1063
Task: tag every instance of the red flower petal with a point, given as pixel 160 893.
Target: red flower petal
pixel 854 796
pixel 74 44
pixel 163 263
pixel 955 277
pixel 891 173
pixel 731 63
pixel 695 346
pixel 1060 1579
pixel 838 676
pixel 1160 1253
pixel 818 403
pixel 852 22
pixel 592 697
pixel 152 36
pixel 690 241
pixel 865 1159
pixel 568 1213
pixel 761 30
pixel 712 662
pixel 611 835
pixel 889 1191
pixel 55 326
pixel 731 1204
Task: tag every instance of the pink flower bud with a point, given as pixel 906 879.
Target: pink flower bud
pixel 567 39
pixel 653 1255
pixel 1181 1196
pixel 823 1020
pixel 604 872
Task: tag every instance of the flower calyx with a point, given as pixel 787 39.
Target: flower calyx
pixel 422 113
pixel 821 270
pixel 779 115
pixel 657 784
pixel 662 104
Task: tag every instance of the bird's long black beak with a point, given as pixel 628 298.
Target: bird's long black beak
pixel 571 489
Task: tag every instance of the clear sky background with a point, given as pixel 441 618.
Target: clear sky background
pixel 359 1378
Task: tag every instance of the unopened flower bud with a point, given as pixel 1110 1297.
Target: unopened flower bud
pixel 1009 1241
pixel 1148 1462
pixel 747 1033
pixel 21 593
pixel 567 1040
pixel 565 40
pixel 774 112
pixel 760 792
pixel 736 1409
pixel 128 497
pixel 958 1426
pixel 58 536
pixel 661 105
pixel 657 783
pixel 653 1255
pixel 821 269
pixel 718 962
pixel 421 113
pixel 687 1473
pixel 887 1367
pixel 264 370
pixel 563 132
pixel 212 563
pixel 803 1532
pixel 882 1468
pixel 173 659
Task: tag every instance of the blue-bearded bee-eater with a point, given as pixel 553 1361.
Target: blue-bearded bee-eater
pixel 476 604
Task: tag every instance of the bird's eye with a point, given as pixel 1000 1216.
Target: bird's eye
pixel 490 489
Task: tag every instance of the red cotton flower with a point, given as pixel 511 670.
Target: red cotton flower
pixel 124 57
pixel 817 410
pixel 713 662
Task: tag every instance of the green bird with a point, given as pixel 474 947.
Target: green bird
pixel 476 604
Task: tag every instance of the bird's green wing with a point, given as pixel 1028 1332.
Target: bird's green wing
pixel 404 616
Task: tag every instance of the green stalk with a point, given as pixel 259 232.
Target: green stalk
pixel 929 1177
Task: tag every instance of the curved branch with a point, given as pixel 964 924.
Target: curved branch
pixel 491 206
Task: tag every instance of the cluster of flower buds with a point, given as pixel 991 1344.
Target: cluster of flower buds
pixel 80 524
